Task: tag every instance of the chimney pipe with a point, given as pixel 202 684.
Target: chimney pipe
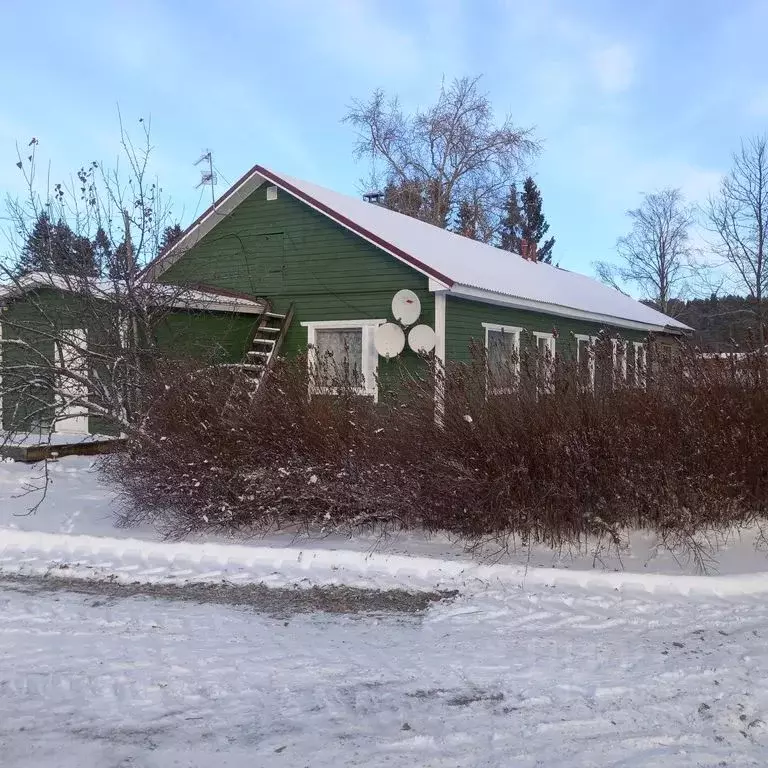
pixel 528 250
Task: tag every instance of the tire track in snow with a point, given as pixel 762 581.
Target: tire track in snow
pixel 493 679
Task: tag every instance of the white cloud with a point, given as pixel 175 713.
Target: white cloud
pixel 614 67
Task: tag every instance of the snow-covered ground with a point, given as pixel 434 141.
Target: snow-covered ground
pixel 528 665
pixel 558 678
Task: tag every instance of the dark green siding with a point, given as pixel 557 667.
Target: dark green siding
pixel 464 319
pixel 207 336
pixel 285 251
pixel 33 319
pixel 36 317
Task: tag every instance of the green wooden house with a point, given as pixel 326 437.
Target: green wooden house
pixel 325 267
pixel 337 261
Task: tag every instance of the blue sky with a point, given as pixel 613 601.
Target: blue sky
pixel 627 97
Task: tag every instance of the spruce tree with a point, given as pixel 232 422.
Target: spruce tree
pixel 102 251
pixel 524 220
pixel 37 254
pixel 56 249
pixel 171 235
pixel 466 220
pixel 512 223
pixel 536 226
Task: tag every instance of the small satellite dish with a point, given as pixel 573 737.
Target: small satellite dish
pixel 421 339
pixel 389 340
pixel 406 307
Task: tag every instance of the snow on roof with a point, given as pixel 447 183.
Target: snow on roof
pixel 462 266
pixel 176 297
pixel 460 261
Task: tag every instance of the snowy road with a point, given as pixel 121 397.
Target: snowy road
pixel 539 677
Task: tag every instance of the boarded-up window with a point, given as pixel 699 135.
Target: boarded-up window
pixel 72 382
pixel 604 363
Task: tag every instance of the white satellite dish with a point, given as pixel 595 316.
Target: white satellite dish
pixel 421 339
pixel 389 340
pixel 406 307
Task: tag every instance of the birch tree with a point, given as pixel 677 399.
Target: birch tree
pixel 656 255
pixel 430 160
pixel 82 341
pixel 737 217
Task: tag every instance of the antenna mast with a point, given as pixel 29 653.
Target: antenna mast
pixel 207 177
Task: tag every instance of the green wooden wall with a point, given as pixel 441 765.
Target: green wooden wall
pixel 34 319
pixel 464 319
pixel 37 316
pixel 210 337
pixel 285 251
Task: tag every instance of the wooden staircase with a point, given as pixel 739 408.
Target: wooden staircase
pixel 268 336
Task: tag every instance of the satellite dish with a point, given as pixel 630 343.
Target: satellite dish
pixel 406 307
pixel 421 339
pixel 389 340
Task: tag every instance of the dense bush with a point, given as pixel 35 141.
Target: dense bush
pixel 546 462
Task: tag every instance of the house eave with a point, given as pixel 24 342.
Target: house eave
pixel 516 302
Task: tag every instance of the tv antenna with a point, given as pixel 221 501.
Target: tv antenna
pixel 208 177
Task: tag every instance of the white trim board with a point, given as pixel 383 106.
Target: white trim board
pixel 340 323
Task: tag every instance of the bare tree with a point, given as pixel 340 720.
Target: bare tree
pixel 737 216
pixel 429 161
pixel 82 341
pixel 656 255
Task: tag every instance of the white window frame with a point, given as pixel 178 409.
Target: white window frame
pixel 640 374
pixel 619 371
pixel 591 351
pixel 515 332
pixel 73 418
pixel 551 347
pixel 370 361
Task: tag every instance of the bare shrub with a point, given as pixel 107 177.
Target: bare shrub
pixel 535 455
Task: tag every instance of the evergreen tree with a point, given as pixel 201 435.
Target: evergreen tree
pixel 171 235
pixel 466 220
pixel 512 222
pixel 118 264
pixel 102 251
pixel 524 220
pixel 56 249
